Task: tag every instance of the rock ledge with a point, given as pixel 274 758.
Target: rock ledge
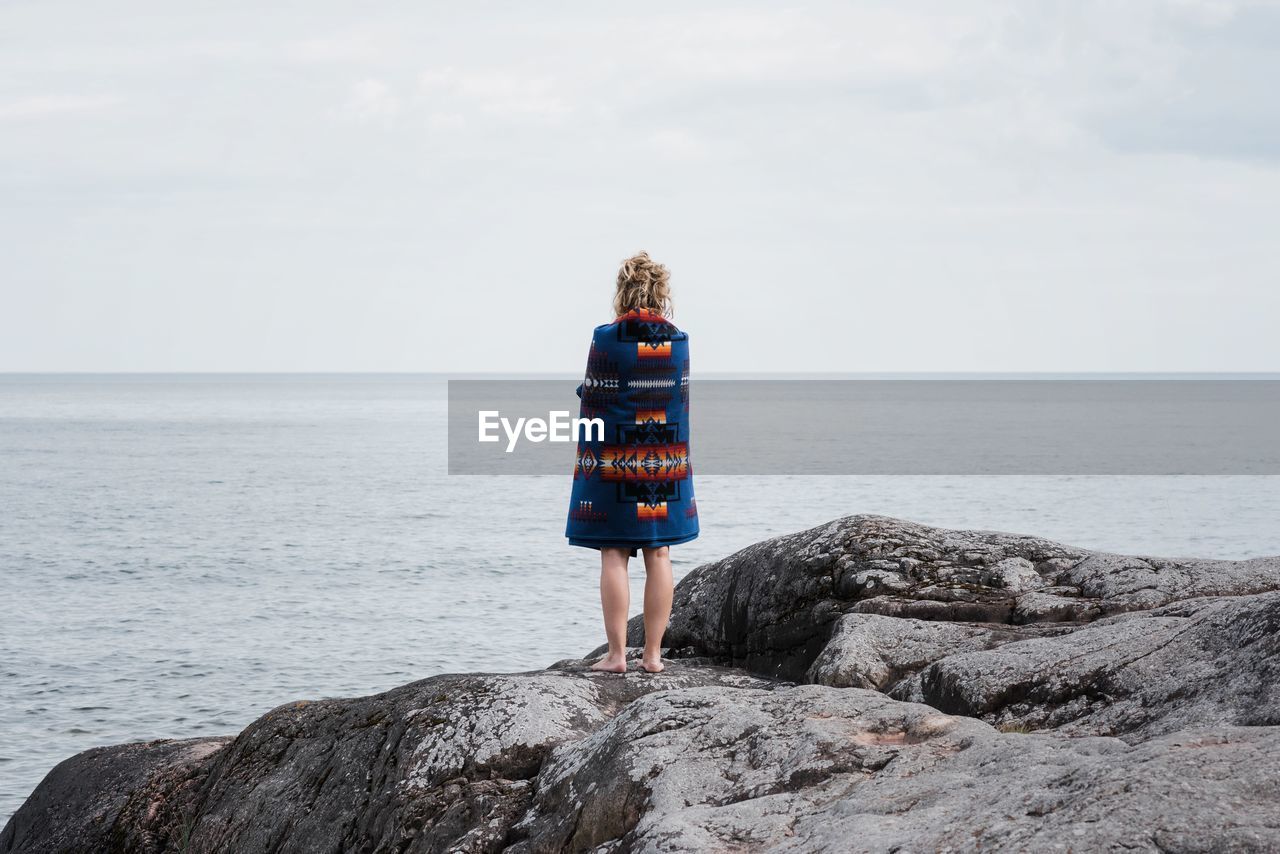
pixel 867 685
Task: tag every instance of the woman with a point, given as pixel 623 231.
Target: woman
pixel 633 487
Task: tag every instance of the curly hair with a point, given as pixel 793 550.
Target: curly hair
pixel 642 284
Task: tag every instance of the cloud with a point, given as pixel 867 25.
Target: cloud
pixel 495 91
pixel 56 106
pixel 347 48
pixel 1216 100
pixel 371 100
pixel 679 144
pixel 927 169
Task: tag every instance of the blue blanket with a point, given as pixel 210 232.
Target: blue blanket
pixel 634 486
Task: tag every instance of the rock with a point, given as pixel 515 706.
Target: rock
pixel 1042 606
pixel 962 691
pixel 878 652
pixel 756 608
pixel 1131 583
pixel 1015 574
pixel 818 769
pixel 133 797
pixel 1204 662
pixel 445 763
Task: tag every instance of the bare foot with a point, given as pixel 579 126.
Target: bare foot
pixel 652 665
pixel 611 664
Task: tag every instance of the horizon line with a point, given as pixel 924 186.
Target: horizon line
pixel 568 374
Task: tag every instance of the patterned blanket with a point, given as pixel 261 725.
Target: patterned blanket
pixel 634 487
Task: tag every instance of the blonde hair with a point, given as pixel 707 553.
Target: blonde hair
pixel 642 284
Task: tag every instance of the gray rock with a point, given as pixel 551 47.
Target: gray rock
pixel 818 769
pixel 1204 662
pixel 1015 574
pixel 1046 607
pixel 1132 583
pixel 442 764
pixel 131 797
pixel 772 606
pixel 1152 685
pixel 878 652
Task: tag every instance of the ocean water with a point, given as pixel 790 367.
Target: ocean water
pixel 179 554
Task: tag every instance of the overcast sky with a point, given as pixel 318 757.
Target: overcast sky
pixel 974 186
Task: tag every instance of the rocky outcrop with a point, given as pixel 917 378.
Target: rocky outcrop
pixel 773 606
pixel 133 797
pixel 447 763
pixel 817 769
pixel 869 685
pixel 1208 661
pixel 885 653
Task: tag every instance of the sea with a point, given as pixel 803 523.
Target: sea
pixel 181 553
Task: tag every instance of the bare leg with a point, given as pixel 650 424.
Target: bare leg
pixel 615 597
pixel 657 605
